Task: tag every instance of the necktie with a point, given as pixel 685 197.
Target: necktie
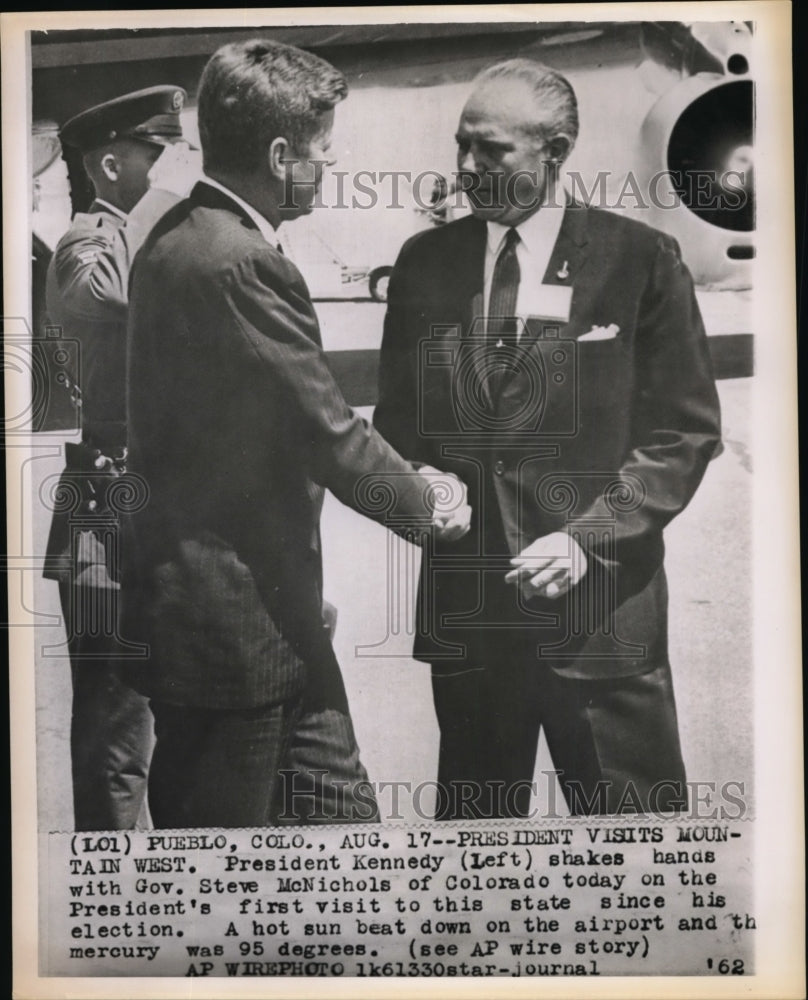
pixel 504 292
pixel 501 326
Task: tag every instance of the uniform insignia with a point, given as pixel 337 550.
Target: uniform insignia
pixel 177 101
pixel 87 256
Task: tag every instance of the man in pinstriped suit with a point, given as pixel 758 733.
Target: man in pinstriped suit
pixel 237 426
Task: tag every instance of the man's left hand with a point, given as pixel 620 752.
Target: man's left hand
pixel 548 567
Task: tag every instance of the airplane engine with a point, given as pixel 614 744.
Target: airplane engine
pixel 697 162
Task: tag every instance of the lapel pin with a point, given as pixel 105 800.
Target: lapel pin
pixel 500 343
pixel 564 273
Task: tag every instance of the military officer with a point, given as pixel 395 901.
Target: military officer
pixel 132 151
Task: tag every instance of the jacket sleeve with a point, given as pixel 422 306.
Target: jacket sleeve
pixel 676 426
pixel 91 264
pixel 279 333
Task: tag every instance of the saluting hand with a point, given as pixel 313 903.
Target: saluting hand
pixel 176 169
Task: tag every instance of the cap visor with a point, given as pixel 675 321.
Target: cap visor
pixel 165 140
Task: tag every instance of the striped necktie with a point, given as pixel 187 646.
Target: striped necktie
pixel 502 327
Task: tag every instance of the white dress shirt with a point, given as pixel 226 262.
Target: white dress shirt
pixel 537 238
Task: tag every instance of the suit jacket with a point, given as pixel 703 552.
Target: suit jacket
pixel 236 425
pixel 606 439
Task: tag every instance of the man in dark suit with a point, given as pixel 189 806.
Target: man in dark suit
pixel 553 357
pixel 236 427
pixel 128 153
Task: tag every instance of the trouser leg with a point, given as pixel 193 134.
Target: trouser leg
pixel 111 733
pixel 489 727
pixel 616 743
pixel 218 767
pixel 324 780
pixel 289 763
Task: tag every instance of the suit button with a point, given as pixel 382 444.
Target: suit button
pixel 499 467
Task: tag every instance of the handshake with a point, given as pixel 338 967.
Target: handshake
pixel 451 514
pixel 548 567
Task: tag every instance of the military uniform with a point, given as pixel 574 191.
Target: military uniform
pixel 111 729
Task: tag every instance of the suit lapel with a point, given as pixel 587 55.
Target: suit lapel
pixel 465 295
pixel 569 253
pixel 469 256
pixel 459 275
pixel 565 266
pixel 470 271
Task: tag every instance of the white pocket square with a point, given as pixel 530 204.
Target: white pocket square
pixel 601 332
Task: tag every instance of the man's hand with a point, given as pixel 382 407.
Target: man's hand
pixel 451 515
pixel 176 169
pixel 548 567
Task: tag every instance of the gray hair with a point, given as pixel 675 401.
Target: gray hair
pixel 254 92
pixel 556 105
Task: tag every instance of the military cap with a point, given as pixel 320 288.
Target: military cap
pixel 152 114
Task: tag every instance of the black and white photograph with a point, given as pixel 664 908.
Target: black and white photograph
pixel 401 472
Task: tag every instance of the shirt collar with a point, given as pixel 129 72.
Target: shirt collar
pixel 536 230
pixel 110 208
pixel 265 228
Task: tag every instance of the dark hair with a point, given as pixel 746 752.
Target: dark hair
pixel 556 105
pixel 253 92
